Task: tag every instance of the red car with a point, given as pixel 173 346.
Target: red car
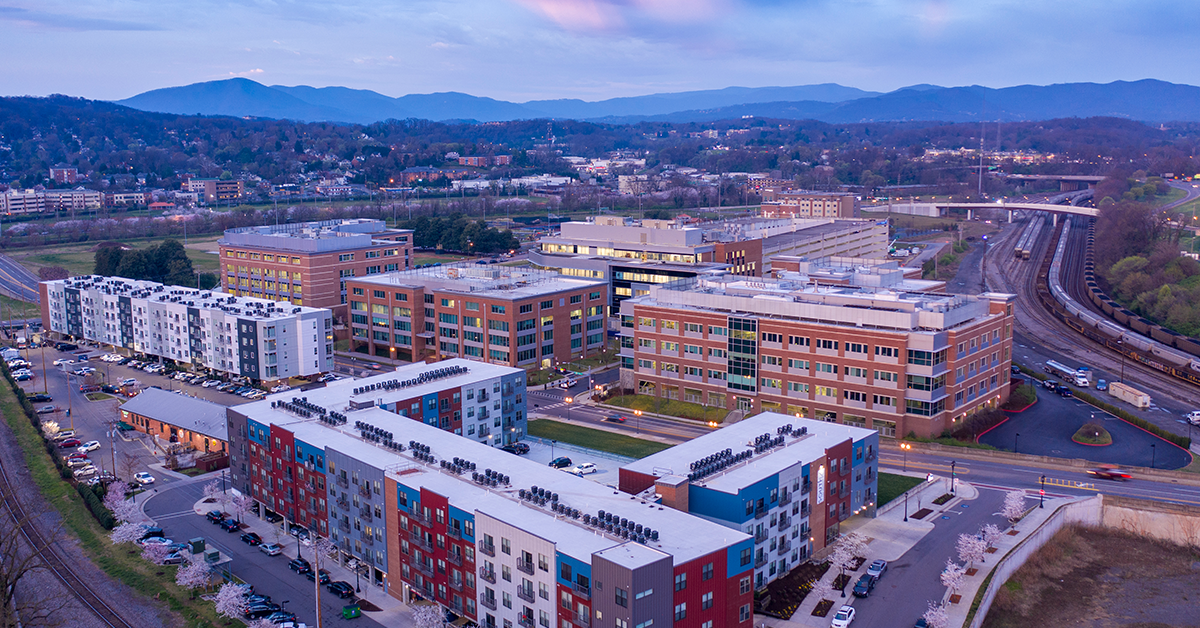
pixel 70 442
pixel 75 454
pixel 1110 473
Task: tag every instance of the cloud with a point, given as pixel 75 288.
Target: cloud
pixel 623 15
pixel 69 22
pixel 246 73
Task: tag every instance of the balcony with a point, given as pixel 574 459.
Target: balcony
pixel 343 504
pixel 525 594
pixel 784 547
pixel 488 602
pixel 785 499
pixel 364 490
pixel 525 620
pixel 805 511
pixel 582 619
pixel 456 584
pixel 760 512
pixel 341 481
pixel 760 560
pixel 454 532
pixel 488 575
pixel 420 541
pixel 487 548
pixel 483 431
pixel 365 513
pixel 424 568
pixel 483 397
pixel 525 566
pixel 455 557
pixel 344 526
pixel 784 522
pixel 419 518
pixel 760 535
pixel 367 539
pixel 807 488
pixel 582 591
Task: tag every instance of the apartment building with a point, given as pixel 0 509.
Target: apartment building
pixel 78 200
pixel 787 482
pixel 127 199
pixel 896 362
pixel 783 203
pixel 498 314
pixel 19 202
pixel 634 255
pixel 253 338
pixel 308 263
pixel 495 538
pixel 64 174
pixel 215 190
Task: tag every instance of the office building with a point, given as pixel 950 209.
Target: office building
pixel 216 190
pixel 787 482
pixel 309 263
pixel 634 255
pixel 897 362
pixel 19 202
pixel 63 174
pixel 854 271
pixel 253 338
pixel 496 538
pixel 77 200
pixel 499 314
pixel 784 203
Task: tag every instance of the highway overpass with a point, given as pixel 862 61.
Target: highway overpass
pixel 940 209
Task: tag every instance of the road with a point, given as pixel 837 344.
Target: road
pixel 16 281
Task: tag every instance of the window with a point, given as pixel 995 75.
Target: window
pixel 693 328
pixel 827 391
pixel 746 557
pixel 770 337
pixel 644 594
pixel 471 305
pixel 358 292
pixel 798 341
pixel 717 353
pixel 673 325
pixel 526 308
pixel 772 360
pixel 706 572
pixel 670 346
pixel 497 309
pixel 854 395
pixel 680 581
pixel 856 347
pixel 768 382
pixel 706 601
pixel 717 331
pixel 576 298
pixel 881 400
pixel 622 598
pixel 798 387
pixel 798 364
pixel 693 349
pixel 680 611
pixel 854 371
pixel 823 367
pixel 498 325
pixel 744 613
pixel 744 584
pixel 545 305
pixel 829 345
pixel 885 376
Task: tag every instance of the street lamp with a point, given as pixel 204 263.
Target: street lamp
pixel 1042 495
pixel 637 422
pixel 906 505
pixel 904 447
pixel 953 478
pixel 1015 437
pixel 1153 450
pixel 552 444
pixel 569 400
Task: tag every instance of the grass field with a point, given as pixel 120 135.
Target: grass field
pixel 595 439
pixel 79 259
pixel 118 561
pixel 892 486
pixel 670 407
pixel 435 258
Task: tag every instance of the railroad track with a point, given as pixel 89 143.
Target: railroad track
pixel 53 562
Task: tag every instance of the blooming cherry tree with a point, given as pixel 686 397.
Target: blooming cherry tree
pixel 212 491
pixel 1014 506
pixel 240 505
pixel 231 599
pixel 990 534
pixel 428 616
pixel 935 616
pixel 970 548
pixel 953 576
pixel 127 533
pixel 156 553
pixel 822 590
pixel 194 575
pixel 123 510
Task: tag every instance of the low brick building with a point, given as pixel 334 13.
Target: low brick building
pixel 175 418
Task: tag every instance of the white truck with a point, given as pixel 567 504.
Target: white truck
pixel 1080 377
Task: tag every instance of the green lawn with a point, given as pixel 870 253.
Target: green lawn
pixel 540 376
pixel 435 258
pixel 595 439
pixel 892 486
pixel 121 562
pixel 80 259
pixel 670 407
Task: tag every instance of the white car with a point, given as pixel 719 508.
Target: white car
pixel 1193 417
pixel 211 383
pixel 63 361
pixel 91 445
pixel 156 540
pixel 84 471
pixel 843 617
pixel 143 478
pixel 585 468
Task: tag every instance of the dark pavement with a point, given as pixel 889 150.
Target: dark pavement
pixel 1046 427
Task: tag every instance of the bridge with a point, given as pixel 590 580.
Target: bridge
pixel 1066 182
pixel 934 210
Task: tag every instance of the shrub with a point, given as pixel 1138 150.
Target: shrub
pixel 96 506
pixel 1182 441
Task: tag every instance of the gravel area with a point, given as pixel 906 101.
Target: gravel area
pixel 136 609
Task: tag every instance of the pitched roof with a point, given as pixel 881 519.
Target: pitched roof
pixel 189 413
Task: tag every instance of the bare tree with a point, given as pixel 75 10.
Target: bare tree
pixel 935 616
pixel 322 548
pixel 231 599
pixel 22 601
pixel 128 464
pixel 953 576
pixel 1014 506
pixel 970 548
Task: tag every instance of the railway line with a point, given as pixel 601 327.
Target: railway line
pixel 53 562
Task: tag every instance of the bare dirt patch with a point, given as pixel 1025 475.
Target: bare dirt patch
pixel 1101 578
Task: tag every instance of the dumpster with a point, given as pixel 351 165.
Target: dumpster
pixel 350 611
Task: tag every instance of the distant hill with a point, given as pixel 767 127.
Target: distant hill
pixel 1145 100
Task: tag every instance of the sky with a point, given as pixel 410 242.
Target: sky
pixel 522 50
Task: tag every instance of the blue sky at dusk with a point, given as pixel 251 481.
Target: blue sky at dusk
pixel 591 49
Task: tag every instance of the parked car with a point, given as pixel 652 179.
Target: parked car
pixel 877 568
pixel 75 454
pixel 257 611
pixel 75 463
pixel 91 445
pixel 40 397
pixel 271 549
pixel 560 462
pixel 175 558
pixel 47 409
pixel 1064 391
pixel 585 468
pixel 278 617
pixel 341 589
pixel 324 575
pixel 519 449
pixel 251 538
pixel 84 471
pixel 229 525
pixel 273 517
pixel 864 586
pixel 257 598
pixel 1050 384
pixel 299 565
pixel 143 478
pixel 843 617
pixel 212 383
pixel 64 435
pixel 22 376
pixel 70 442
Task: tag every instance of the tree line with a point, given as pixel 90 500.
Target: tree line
pixel 165 263
pixel 460 234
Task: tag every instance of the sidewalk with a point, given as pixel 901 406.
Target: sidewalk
pixel 888 537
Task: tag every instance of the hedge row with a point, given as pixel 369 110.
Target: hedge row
pixel 90 497
pixel 1182 441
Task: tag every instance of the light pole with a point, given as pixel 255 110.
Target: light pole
pixel 1015 437
pixel 569 400
pixel 1121 348
pixel 637 421
pixel 953 477
pixel 904 447
pixel 1153 451
pixel 552 444
pixel 906 505
pixel 1042 494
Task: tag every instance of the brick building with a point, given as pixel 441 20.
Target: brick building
pixel 498 314
pixel 897 362
pixel 173 418
pixel 784 203
pixel 216 190
pixel 309 263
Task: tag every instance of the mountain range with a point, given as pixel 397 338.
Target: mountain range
pixel 1146 100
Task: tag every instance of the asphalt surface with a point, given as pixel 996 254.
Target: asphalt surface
pixel 1046 427
pixel 16 281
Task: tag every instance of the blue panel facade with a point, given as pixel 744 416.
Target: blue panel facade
pixel 310 454
pixel 733 558
pixel 429 409
pixel 467 521
pixel 258 432
pixel 578 567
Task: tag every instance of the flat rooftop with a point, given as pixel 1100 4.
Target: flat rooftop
pixel 796 449
pixel 245 307
pixel 484 280
pixel 347 393
pixel 681 535
pixel 311 237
